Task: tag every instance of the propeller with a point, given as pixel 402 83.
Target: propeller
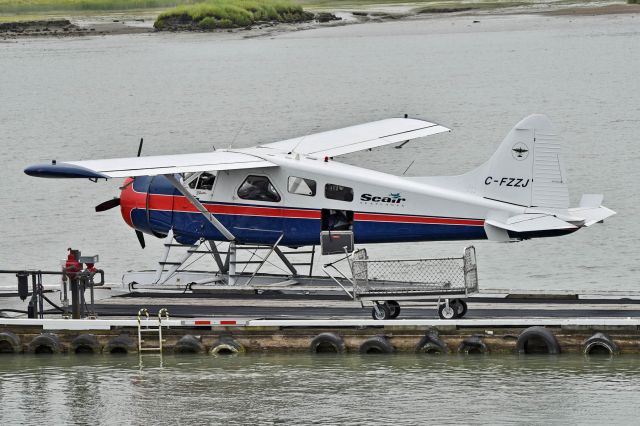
pixel 107 205
pixel 115 202
pixel 140 236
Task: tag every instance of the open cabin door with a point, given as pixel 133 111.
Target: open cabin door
pixel 336 235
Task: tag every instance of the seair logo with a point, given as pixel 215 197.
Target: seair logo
pixel 520 151
pixel 392 198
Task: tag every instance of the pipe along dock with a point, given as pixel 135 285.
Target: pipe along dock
pixel 529 324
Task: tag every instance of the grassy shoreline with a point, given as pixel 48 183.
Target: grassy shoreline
pixel 43 6
pixel 222 14
pixel 110 10
pixel 38 7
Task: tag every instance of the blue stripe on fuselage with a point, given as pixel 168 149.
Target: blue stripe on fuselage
pixel 189 227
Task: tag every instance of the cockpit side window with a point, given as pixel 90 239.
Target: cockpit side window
pixel 258 188
pixel 203 182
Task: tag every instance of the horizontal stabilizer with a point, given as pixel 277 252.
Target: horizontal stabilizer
pixel 531 223
pixel 592 215
pixel 525 226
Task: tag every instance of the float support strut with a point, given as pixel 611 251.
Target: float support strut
pixel 232 263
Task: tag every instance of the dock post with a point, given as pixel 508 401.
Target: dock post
pixel 93 298
pixel 32 308
pixel 75 302
pixel 40 294
pixel 65 294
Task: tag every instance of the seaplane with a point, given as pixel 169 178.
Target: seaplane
pixel 294 193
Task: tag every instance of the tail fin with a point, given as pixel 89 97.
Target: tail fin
pixel 527 171
pixel 527 168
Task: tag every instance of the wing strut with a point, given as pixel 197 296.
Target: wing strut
pixel 198 205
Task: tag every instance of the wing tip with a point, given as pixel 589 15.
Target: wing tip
pixel 62 170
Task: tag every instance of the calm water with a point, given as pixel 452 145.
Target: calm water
pixel 304 389
pixel 95 97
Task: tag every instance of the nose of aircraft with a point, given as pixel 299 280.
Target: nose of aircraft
pixel 130 200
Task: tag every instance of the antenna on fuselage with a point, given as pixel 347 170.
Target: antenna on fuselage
pixel 293 151
pixel 140 147
pixel 407 169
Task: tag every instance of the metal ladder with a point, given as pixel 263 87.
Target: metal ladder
pixel 150 329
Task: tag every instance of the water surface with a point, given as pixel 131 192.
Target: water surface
pixel 95 97
pixel 304 389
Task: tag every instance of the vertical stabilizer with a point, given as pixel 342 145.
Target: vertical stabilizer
pixel 527 168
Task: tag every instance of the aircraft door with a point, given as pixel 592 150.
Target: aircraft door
pixel 337 220
pixel 257 218
pixel 336 235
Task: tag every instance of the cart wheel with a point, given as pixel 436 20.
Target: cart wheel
pixel 446 312
pixel 394 309
pixel 381 311
pixel 460 306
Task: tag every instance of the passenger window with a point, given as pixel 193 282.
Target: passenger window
pixel 338 192
pixel 204 181
pixel 258 188
pixel 301 186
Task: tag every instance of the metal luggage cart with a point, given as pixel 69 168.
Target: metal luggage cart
pixel 386 282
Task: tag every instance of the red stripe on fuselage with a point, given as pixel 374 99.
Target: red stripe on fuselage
pixel 373 217
pixel 181 204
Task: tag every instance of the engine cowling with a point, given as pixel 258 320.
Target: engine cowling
pixel 146 204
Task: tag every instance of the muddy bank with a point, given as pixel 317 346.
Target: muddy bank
pixel 65 28
pixel 42 28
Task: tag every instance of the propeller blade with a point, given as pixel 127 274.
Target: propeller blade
pixel 140 236
pixel 109 204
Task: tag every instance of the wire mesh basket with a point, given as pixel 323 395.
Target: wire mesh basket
pixel 452 275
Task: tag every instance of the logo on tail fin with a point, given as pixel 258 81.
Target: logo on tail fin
pixel 520 151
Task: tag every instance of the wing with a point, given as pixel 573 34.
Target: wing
pixel 358 138
pixel 148 166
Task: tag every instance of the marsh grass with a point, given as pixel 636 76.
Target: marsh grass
pixel 214 14
pixel 633 1
pixel 40 6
